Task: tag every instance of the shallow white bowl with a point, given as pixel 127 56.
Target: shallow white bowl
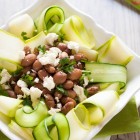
pixel 101 36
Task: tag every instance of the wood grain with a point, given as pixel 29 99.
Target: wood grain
pixel 115 15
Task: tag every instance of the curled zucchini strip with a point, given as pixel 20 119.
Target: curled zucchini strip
pixel 114 51
pixel 107 73
pixel 74 30
pixel 27 117
pixel 49 17
pixel 94 109
pixel 55 127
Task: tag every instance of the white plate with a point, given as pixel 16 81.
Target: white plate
pixel 101 36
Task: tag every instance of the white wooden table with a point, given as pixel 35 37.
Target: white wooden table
pixel 115 15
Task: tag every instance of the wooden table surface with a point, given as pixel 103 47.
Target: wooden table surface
pixel 115 15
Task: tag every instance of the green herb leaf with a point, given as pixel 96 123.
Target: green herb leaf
pixel 28 79
pixel 27 101
pixel 86 92
pixel 42 49
pixel 3 92
pixel 61 89
pixel 24 36
pixel 67 65
pixel 61 37
pixel 17 72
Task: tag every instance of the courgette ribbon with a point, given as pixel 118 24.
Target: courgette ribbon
pixel 54 127
pixel 50 17
pixel 90 112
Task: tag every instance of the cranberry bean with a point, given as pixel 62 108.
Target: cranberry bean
pixel 42 74
pixel 68 51
pixel 26 69
pixel 68 84
pixel 60 77
pixel 71 93
pixel 27 50
pixel 63 55
pixel 11 93
pixel 28 60
pixel 67 107
pixel 79 57
pixel 58 94
pixel 79 66
pixel 36 51
pixel 93 89
pixel 49 101
pixel 39 86
pixel 62 46
pixel 18 90
pixel 37 65
pixel 45 91
pixel 50 69
pixel 75 74
pixel 65 100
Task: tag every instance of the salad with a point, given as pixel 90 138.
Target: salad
pixel 55 82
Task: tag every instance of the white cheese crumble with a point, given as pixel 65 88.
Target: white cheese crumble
pixel 50 38
pixel 28 72
pixel 21 83
pixel 71 57
pixel 59 105
pixel 50 57
pixel 53 111
pixel 57 99
pixel 19 96
pixel 36 80
pixel 35 94
pixel 49 83
pixel 80 92
pixel 74 46
pixel 5 76
pixel 26 91
pixel 21 55
pixel 86 81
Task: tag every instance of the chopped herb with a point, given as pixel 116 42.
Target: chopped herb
pixel 61 89
pixel 42 49
pixel 84 73
pixel 24 36
pixel 67 65
pixel 35 32
pixel 61 37
pixel 28 79
pixel 27 101
pixel 86 92
pixel 3 92
pixel 17 72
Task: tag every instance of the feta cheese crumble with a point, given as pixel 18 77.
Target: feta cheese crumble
pixel 35 94
pixel 50 38
pixel 5 76
pixel 53 111
pixel 36 80
pixel 21 83
pixel 80 92
pixel 49 83
pixel 86 81
pixel 26 91
pixel 74 46
pixel 50 57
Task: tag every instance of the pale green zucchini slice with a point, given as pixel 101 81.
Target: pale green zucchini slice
pixel 8 106
pixel 90 112
pixel 20 24
pixel 27 117
pixel 36 41
pixel 49 17
pixel 74 30
pixel 107 73
pixel 25 133
pixel 57 121
pixel 114 51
